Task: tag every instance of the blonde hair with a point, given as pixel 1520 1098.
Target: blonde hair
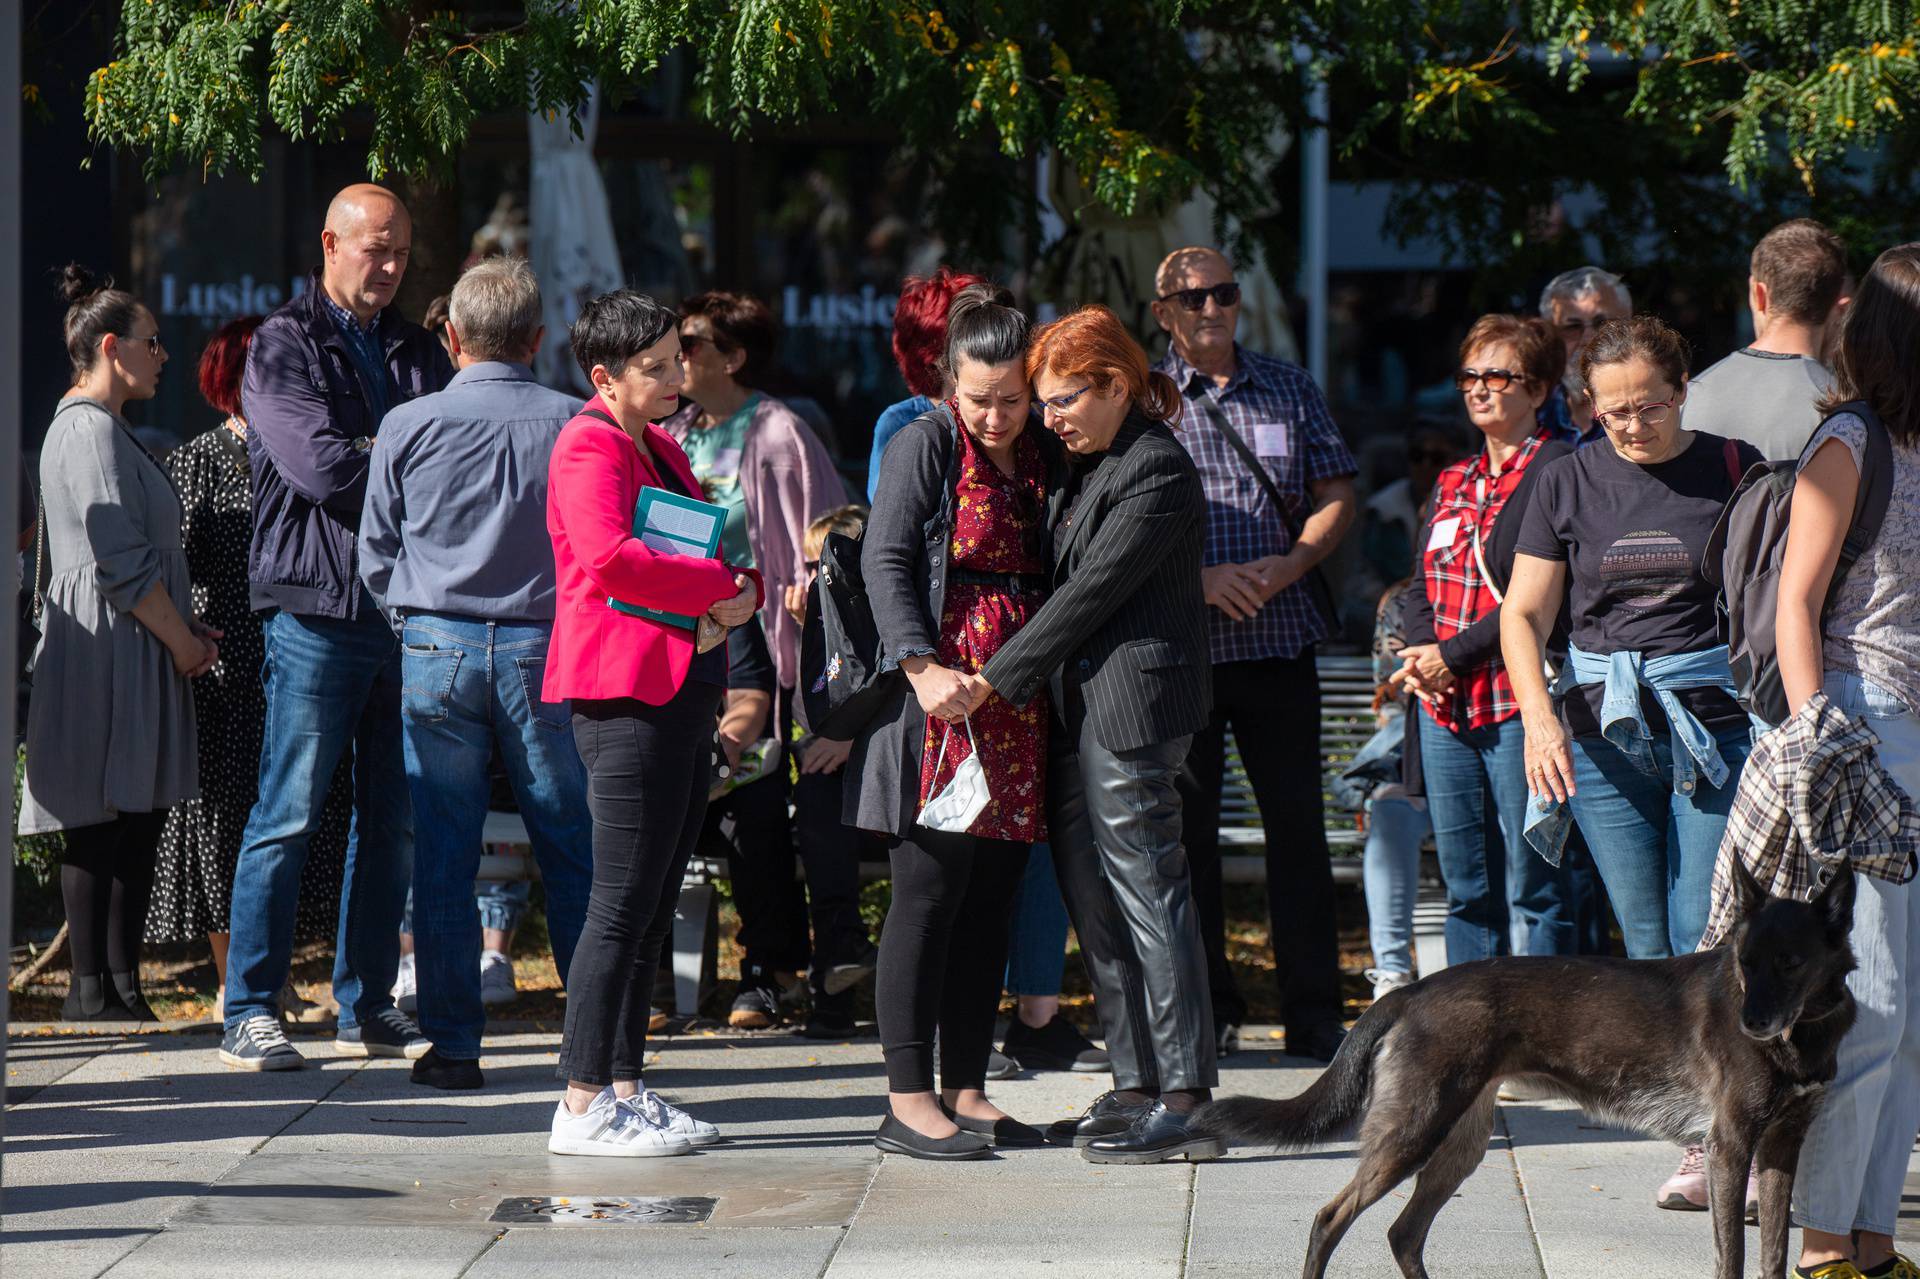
pixel 848 521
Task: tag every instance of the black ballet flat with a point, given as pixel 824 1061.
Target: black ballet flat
pixel 1005 1131
pixel 895 1138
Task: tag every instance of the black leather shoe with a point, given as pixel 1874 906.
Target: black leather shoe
pixel 895 1138
pixel 451 1073
pixel 1316 1043
pixel 1055 1046
pixel 1106 1117
pixel 1157 1136
pixel 1005 1131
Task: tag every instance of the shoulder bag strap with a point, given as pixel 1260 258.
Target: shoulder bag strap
pixel 1319 591
pixel 1875 493
pixel 38 608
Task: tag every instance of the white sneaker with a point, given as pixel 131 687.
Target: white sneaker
pixel 661 1113
pixel 406 991
pixel 496 979
pixel 1384 981
pixel 609 1128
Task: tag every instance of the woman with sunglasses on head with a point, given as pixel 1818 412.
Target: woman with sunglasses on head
pixel 1501 897
pixel 755 457
pixel 111 737
pixel 1640 739
pixel 955 559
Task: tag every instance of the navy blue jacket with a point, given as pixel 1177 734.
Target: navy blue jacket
pixel 305 410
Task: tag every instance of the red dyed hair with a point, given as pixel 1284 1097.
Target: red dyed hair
pixel 223 362
pixel 920 326
pixel 1092 343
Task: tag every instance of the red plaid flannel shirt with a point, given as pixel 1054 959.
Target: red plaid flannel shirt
pixel 1470 497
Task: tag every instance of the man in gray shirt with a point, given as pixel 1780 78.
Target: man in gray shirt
pixel 454 547
pixel 1768 394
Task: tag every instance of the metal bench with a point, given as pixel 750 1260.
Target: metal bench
pixel 1346 722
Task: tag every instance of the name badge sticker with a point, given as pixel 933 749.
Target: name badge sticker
pixel 1272 439
pixel 1444 532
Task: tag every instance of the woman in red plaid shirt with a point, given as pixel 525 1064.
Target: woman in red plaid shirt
pixel 1501 898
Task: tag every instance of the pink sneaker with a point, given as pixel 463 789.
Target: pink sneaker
pixel 1686 1190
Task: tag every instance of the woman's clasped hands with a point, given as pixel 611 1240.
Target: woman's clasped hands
pixel 945 693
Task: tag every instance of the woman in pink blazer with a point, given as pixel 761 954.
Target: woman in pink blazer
pixel 644 702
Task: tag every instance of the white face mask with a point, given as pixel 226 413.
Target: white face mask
pixel 964 797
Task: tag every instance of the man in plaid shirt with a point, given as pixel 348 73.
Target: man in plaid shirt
pixel 1264 624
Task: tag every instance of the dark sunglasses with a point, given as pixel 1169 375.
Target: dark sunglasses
pixel 1226 295
pixel 152 341
pixel 1493 379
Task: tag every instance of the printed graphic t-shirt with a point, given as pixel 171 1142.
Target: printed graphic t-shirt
pixel 1632 537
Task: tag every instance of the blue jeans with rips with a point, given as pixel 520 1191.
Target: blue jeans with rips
pixel 469 684
pixel 332 686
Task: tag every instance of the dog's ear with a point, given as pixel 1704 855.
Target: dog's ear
pixel 1747 891
pixel 1835 902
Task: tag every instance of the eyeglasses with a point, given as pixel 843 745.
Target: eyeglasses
pixel 152 340
pixel 1226 295
pixel 1065 402
pixel 1646 415
pixel 1495 380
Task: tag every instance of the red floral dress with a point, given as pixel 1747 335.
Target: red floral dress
pixel 998 527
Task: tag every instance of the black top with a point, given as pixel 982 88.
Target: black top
pixel 749 663
pixel 1632 537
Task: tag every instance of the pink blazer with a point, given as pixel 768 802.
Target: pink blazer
pixel 593 481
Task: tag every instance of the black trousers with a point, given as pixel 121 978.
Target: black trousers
pixel 648 770
pixel 749 827
pixel 106 883
pixel 1115 821
pixel 943 955
pixel 830 852
pixel 1273 706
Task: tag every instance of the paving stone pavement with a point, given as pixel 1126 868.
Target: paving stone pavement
pixel 143 1157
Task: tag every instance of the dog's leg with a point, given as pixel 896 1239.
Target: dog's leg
pixel 1778 1155
pixel 1729 1154
pixel 1450 1165
pixel 1392 1147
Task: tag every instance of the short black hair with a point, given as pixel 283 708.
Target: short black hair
pixel 615 327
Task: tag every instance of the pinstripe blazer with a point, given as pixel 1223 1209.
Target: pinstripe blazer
pixel 1126 621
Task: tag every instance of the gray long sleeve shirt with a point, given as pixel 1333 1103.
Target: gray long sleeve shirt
pixel 456 512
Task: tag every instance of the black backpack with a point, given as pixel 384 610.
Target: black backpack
pixel 1749 541
pixel 840 679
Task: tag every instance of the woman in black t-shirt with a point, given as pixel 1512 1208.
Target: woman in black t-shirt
pixel 1620 527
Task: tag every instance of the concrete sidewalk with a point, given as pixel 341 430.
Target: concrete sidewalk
pixel 142 1157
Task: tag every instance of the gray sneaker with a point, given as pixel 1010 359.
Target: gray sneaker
pixel 391 1033
pixel 258 1043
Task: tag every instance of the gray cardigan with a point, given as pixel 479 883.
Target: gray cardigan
pixel 110 727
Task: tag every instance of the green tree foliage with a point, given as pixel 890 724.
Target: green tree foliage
pixel 1147 100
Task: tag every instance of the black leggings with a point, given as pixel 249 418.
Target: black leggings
pixel 106 880
pixel 648 771
pixel 943 955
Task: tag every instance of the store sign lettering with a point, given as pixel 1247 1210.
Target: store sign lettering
pixel 866 309
pixel 223 299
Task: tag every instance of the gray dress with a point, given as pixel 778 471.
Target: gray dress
pixel 110 728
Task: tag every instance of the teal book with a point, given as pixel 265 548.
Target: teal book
pixel 670 524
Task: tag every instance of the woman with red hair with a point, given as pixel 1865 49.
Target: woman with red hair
pixel 1122 643
pixel 193 877
pixel 919 343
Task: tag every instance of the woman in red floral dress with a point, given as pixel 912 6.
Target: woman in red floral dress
pixel 955 561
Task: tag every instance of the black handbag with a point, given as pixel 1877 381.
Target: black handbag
pixel 1319 591
pixel 841 682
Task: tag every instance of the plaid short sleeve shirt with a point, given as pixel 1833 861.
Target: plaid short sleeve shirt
pixel 1467 499
pixel 1281 414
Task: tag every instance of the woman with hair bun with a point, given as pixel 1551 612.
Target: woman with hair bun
pixel 955 559
pixel 193 876
pixel 111 741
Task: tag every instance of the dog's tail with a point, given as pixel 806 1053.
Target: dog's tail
pixel 1324 1112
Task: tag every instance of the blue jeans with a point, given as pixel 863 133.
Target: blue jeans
pixel 1854 1162
pixel 503 902
pixel 1037 957
pixel 332 685
pixel 1390 871
pixel 1502 897
pixel 467 685
pixel 1654 845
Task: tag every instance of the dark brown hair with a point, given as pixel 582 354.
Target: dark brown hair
pixel 741 322
pixel 1879 350
pixel 1804 267
pixel 1536 347
pixel 94 309
pixel 1638 337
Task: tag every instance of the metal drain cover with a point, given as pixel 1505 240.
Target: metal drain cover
pixel 625 1210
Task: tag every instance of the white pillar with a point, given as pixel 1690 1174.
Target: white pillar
pixel 10 339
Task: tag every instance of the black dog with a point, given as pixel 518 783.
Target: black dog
pixel 1736 1044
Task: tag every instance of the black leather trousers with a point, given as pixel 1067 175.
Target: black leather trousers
pixel 1115 823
